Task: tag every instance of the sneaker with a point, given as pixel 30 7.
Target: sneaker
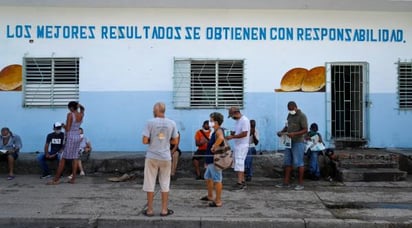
pixel 299 187
pixel 329 178
pixel 199 178
pixel 45 176
pixel 82 173
pixel 70 177
pixel 239 186
pixel 282 185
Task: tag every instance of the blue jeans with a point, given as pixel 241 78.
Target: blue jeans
pixel 313 163
pixel 41 158
pixel 249 161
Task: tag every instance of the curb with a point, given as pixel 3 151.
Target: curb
pixel 201 222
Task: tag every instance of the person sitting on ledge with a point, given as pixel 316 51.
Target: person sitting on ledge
pixel 54 141
pixel 9 148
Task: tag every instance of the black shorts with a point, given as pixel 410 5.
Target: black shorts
pixel 4 157
pixel 199 155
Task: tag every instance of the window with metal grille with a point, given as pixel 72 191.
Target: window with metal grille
pixel 405 85
pixel 208 83
pixel 50 82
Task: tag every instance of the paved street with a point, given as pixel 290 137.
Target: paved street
pixel 95 202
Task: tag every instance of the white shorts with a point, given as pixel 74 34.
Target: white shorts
pixel 152 168
pixel 240 153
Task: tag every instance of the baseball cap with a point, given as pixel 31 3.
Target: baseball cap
pixel 57 125
pixel 233 110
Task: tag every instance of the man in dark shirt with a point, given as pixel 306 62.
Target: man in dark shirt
pixel 55 141
pixel 296 128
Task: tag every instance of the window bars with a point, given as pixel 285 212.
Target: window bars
pixel 208 83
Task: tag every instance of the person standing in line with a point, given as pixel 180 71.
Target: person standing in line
pixel 71 148
pixel 158 134
pixel 201 139
pixel 253 141
pixel 241 144
pixel 176 153
pixel 84 152
pixel 296 128
pixel 54 141
pixel 315 147
pixel 213 176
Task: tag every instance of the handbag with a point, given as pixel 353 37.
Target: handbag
pixel 222 158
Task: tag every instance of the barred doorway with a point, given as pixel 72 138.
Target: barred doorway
pixel 348 105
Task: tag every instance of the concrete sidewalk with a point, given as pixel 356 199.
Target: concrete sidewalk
pixel 95 202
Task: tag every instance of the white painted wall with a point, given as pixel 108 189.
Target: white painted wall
pixel 129 69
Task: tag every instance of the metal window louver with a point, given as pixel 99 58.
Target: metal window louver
pixel 405 85
pixel 50 82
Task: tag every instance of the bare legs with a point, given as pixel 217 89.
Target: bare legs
pixel 10 161
pixel 218 187
pixel 288 171
pixel 80 166
pixel 209 184
pixel 175 159
pixel 60 169
pixel 150 196
pixel 301 171
pixel 197 168
pixel 240 177
pixel 75 163
pixel 165 200
pixel 59 172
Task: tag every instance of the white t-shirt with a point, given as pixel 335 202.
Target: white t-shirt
pixel 242 125
pixel 83 143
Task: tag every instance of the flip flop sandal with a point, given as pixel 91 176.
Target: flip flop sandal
pixel 53 182
pixel 213 204
pixel 10 177
pixel 169 212
pixel 205 198
pixel 147 214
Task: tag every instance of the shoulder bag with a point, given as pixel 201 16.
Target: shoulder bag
pixel 222 158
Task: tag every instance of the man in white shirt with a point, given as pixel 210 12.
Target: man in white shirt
pixel 241 144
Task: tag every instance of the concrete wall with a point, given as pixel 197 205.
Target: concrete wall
pixel 117 83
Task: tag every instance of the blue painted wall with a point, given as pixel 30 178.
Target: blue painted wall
pixel 121 79
pixel 114 120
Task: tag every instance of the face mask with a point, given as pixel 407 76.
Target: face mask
pixel 58 131
pixel 293 112
pixel 81 135
pixel 211 124
pixel 7 136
